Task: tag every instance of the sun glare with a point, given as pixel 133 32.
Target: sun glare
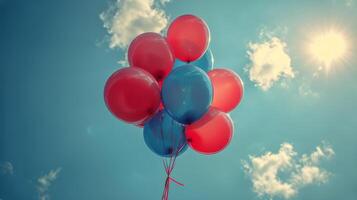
pixel 328 47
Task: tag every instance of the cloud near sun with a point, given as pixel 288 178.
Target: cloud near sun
pixel 269 62
pixel 264 170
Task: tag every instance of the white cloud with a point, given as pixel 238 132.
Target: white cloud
pixel 309 175
pixel 6 168
pixel 128 18
pixel 264 170
pixel 321 152
pixel 269 62
pixel 45 181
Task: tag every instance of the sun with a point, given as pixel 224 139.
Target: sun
pixel 328 47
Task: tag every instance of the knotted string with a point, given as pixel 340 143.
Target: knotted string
pixel 169 166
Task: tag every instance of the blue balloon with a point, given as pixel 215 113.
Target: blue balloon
pixel 205 62
pixel 187 93
pixel 164 136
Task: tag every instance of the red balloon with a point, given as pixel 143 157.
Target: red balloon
pixel 210 134
pixel 132 95
pixel 150 51
pixel 227 89
pixel 188 37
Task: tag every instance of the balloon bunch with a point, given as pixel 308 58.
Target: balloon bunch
pixel 172 90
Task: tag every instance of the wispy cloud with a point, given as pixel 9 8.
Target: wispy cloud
pixel 270 61
pixel 6 168
pixel 306 91
pixel 163 2
pixel 45 181
pixel 264 170
pixel 126 19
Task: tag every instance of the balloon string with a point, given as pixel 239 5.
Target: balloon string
pixel 178 183
pixel 169 166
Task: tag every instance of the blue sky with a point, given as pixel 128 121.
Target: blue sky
pixel 59 141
